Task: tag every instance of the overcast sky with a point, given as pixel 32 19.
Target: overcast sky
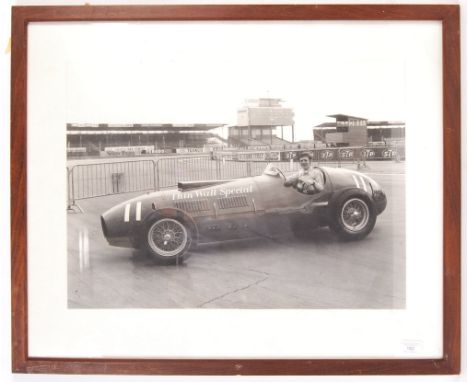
pixel 175 72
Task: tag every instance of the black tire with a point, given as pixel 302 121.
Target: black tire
pixel 167 240
pixel 353 217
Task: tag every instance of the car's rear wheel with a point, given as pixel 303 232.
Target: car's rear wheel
pixel 168 240
pixel 353 217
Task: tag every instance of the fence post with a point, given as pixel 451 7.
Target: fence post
pixel 362 159
pixel 218 169
pixel 249 168
pixel 71 187
pixel 156 174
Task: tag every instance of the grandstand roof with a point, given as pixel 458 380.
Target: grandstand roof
pixel 345 116
pixel 327 124
pixel 171 127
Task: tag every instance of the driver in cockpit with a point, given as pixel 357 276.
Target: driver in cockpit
pixel 308 180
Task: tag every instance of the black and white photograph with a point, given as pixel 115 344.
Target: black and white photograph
pixel 236 165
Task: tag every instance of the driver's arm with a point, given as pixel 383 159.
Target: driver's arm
pixel 317 184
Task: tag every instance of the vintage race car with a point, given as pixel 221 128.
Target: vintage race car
pixel 167 223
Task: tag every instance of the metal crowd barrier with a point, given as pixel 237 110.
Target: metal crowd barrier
pixel 100 179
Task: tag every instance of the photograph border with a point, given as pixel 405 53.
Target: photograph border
pixel 449 15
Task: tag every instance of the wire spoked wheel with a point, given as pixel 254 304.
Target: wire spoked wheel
pixel 168 238
pixel 352 217
pixel 355 215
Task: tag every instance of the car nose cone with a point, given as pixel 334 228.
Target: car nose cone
pixel 104 226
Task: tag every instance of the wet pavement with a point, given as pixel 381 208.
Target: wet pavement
pixel 280 272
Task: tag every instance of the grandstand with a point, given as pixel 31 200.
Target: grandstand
pixel 135 139
pixel 347 130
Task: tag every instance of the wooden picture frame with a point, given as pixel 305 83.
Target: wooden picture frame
pixel 448 15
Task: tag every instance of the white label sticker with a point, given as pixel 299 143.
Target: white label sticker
pixel 412 346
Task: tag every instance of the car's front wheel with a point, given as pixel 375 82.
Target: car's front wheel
pixel 168 240
pixel 353 218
